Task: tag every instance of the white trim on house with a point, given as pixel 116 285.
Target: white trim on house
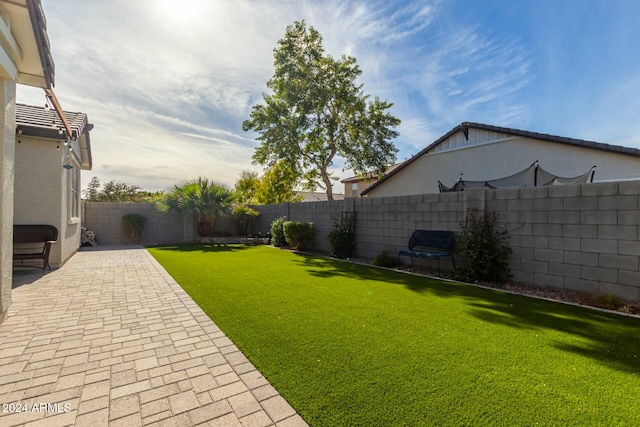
pixel 73 193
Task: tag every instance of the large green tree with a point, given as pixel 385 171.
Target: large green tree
pixel 246 186
pixel 318 111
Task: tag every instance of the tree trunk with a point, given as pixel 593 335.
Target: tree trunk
pixel 327 182
pixel 205 227
pixel 323 170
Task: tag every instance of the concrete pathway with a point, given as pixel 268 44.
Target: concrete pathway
pixel 111 339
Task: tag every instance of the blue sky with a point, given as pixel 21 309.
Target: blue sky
pixel 168 83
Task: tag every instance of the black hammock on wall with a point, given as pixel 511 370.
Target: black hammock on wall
pixel 533 176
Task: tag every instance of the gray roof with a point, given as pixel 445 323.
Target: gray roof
pixel 314 196
pixel 464 127
pixel 45 123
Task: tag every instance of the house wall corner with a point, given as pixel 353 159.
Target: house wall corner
pixel 7 158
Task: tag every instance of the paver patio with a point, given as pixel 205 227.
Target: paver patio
pixel 111 339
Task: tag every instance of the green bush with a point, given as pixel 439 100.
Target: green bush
pixel 385 259
pixel 614 301
pixel 133 225
pixel 483 249
pixel 277 234
pixel 342 239
pixel 298 234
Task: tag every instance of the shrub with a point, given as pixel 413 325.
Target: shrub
pixel 277 234
pixel 614 301
pixel 342 239
pixel 133 225
pixel 483 249
pixel 608 301
pixel 385 259
pixel 298 234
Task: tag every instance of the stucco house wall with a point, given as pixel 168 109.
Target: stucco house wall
pixel 47 174
pixel 487 155
pixel 25 58
pixel 42 193
pixel 357 186
pixel 7 156
pixel 354 186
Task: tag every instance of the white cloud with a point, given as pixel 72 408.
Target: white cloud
pixel 167 84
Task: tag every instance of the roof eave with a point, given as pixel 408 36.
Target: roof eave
pixel 85 148
pixel 24 38
pixel 464 127
pixel 37 122
pixel 552 138
pixel 39 25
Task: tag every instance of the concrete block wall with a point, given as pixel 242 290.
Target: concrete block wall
pixel 581 237
pixel 385 224
pixel 105 220
pixel 382 224
pixel 321 214
pixel 262 224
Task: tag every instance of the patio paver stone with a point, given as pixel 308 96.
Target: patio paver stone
pixel 111 339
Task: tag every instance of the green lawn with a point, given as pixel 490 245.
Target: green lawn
pixel 354 345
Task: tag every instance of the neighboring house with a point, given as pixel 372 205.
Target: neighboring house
pixel 483 153
pixel 25 58
pixel 47 174
pixel 314 196
pixel 354 186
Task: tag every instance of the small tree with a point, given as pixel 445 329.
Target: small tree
pixel 244 214
pixel 298 235
pixel 483 249
pixel 247 186
pixel 116 191
pixel 149 196
pixel 133 225
pixel 92 193
pixel 277 233
pixel 201 197
pixel 342 238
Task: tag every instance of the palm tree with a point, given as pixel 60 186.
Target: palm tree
pixel 205 199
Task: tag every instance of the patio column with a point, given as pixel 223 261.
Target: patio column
pixel 7 158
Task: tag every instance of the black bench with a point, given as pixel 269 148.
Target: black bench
pixel 429 244
pixel 33 242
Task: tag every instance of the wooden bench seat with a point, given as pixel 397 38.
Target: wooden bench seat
pixel 33 242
